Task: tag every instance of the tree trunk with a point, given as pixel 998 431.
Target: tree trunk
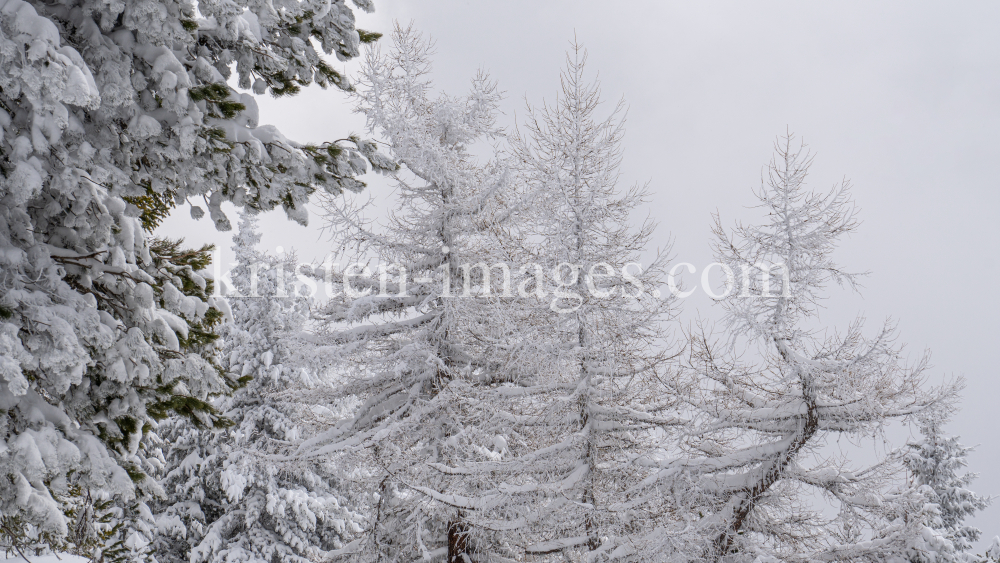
pixel 458 542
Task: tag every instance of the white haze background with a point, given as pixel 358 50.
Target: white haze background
pixel 902 98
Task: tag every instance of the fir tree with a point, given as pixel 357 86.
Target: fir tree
pixel 148 323
pixel 111 113
pixel 237 494
pixel 934 462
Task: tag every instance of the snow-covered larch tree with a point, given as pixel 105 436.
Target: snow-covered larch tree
pixel 586 348
pixel 401 337
pixel 111 113
pixel 765 402
pixel 935 462
pixel 236 495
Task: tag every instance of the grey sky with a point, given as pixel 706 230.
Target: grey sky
pixel 902 98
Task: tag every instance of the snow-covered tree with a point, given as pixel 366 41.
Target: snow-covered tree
pixel 935 461
pixel 993 552
pixel 237 494
pixel 582 357
pixel 111 113
pixel 402 336
pixel 96 348
pixel 763 404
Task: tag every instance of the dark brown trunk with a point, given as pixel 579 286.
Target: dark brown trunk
pixel 593 542
pixel 752 495
pixel 458 542
pixel 724 543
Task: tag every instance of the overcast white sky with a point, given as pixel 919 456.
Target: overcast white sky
pixel 902 98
